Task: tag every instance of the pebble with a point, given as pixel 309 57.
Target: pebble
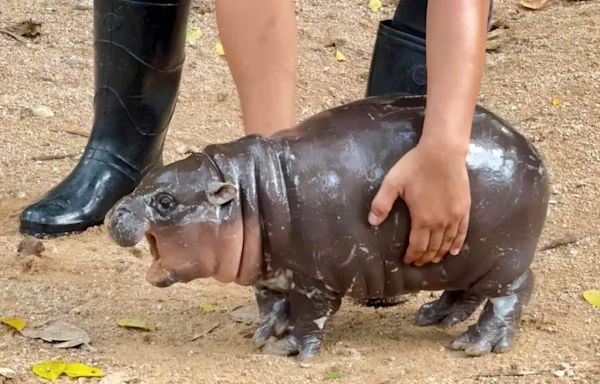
pixel 559 373
pixel 41 111
pixel 84 5
pixel 8 373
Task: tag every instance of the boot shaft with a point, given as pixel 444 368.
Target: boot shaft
pixel 139 52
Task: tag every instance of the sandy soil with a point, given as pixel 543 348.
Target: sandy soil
pixel 87 280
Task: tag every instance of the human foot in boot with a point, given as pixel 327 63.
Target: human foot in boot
pixel 139 51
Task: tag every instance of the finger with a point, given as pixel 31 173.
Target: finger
pixel 449 236
pixel 435 242
pixel 417 244
pixel 383 202
pixel 459 240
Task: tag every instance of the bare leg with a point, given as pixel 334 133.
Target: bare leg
pixel 260 41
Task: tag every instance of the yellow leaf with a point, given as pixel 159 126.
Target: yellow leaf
pixel 375 5
pixel 193 34
pixel 208 308
pixel 592 296
pixel 556 101
pixel 339 56
pixel 49 370
pixel 219 49
pixel 15 322
pixel 145 325
pixel 80 370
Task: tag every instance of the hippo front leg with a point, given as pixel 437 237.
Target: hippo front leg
pixel 310 306
pixel 273 308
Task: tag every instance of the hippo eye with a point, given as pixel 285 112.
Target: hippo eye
pixel 164 202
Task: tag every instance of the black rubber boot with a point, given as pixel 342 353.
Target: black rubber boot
pixel 398 62
pixel 139 56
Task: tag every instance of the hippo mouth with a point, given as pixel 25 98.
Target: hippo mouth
pixel 157 275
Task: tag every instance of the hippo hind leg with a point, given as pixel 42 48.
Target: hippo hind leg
pixel 498 322
pixel 451 308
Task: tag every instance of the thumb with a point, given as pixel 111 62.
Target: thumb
pixel 383 201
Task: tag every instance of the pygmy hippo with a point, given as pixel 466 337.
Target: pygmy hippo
pixel 288 215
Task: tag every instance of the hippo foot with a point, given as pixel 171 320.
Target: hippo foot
pixel 306 348
pixel 274 323
pixel 451 308
pixel 495 329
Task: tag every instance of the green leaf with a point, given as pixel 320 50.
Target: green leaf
pixel 333 375
pixel 209 308
pixel 193 34
pixel 375 5
pixel 145 325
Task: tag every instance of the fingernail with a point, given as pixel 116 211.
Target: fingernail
pixel 455 251
pixel 373 219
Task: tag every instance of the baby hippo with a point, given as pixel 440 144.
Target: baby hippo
pixel 288 215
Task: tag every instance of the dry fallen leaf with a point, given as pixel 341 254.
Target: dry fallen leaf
pixel 27 28
pixel 592 296
pixel 219 49
pixel 556 101
pixel 208 308
pixel 375 5
pixel 68 335
pixel 50 370
pixel 339 56
pixel 247 314
pixel 533 4
pixel 15 322
pixel 193 34
pixel 145 325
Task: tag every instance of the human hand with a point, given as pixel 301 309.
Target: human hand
pixel 434 184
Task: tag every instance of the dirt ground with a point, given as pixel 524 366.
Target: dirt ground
pixel 86 280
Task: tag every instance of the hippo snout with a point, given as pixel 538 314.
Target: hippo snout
pixel 125 224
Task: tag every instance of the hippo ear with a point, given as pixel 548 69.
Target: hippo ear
pixel 221 193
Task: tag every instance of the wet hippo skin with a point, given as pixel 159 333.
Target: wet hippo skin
pixel 288 215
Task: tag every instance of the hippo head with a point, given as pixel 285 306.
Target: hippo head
pixel 191 219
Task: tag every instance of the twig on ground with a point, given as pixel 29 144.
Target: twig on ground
pixel 511 374
pixel 204 333
pixel 55 157
pixel 20 39
pixel 71 132
pixel 562 241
